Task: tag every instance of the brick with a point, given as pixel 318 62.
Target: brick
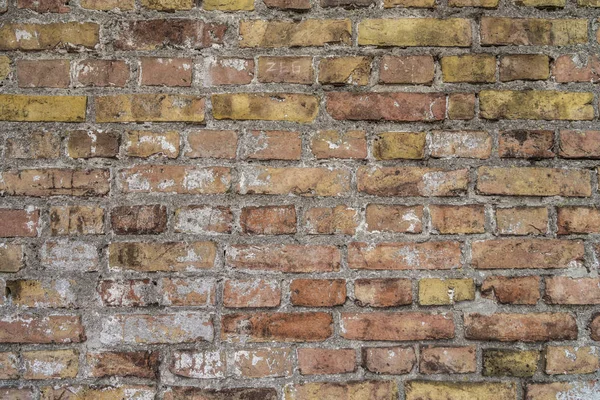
pixel 339 144
pixel 473 68
pixel 27 328
pixel 394 219
pixel 372 390
pixel 203 220
pixel 166 71
pixel 45 293
pixel 578 220
pixel 409 3
pixel 52 36
pixel 309 32
pixel 467 144
pixel 228 5
pixel 135 329
pixel 11 257
pixel 407 32
pixel 136 392
pixel 302 181
pixel 57 364
pixel 168 5
pixel 434 291
pixel 345 70
pixel 347 3
pixel 543 391
pixel 576 68
pixel 183 393
pixel 318 292
pixel 429 390
pixel 523 181
pixel 108 5
pixel 262 362
pixel 512 327
pixel 331 220
pixel 399 145
pixel 389 360
pixel 268 220
pixel 579 144
pixel 53 6
pixel 229 71
pixel 512 290
pixel 295 5
pixel 102 73
pixel 17 394
pixel 76 220
pixel 127 293
pixel 474 3
pixel 536 105
pixel 396 326
pixel 5 67
pixel 250 293
pixel 522 220
pixel 530 253
pixel 155 34
pixel 284 258
pixel 181 179
pixel 272 145
pixel 145 144
pixel 139 220
pixel 24 108
pixel 72 256
pixel 389 106
pixel 404 256
pixel 571 360
pixel 163 256
pixel 542 3
pixel 149 108
pixel 93 144
pixel 533 31
pixel 36 146
pixel 407 69
pixel 212 144
pixel 461 106
pixel 289 107
pixel 411 181
pixel 43 73
pixel 594 328
pixel 526 144
pixel 573 291
pixel 19 222
pixel 383 292
pixel 9 363
pixel 199 364
pixel 286 70
pixel 314 361
pixel 503 362
pixel 448 360
pixel 137 364
pixel 279 327
pixel 457 219
pixel 187 292
pixel 530 67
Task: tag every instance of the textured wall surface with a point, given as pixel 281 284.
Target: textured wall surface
pixel 299 199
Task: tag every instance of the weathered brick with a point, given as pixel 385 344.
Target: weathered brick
pixel 17 394
pixel 44 6
pixel 72 256
pixel 291 107
pixel 474 3
pixel 512 327
pixel 138 364
pixel 146 144
pixel 393 218
pixel 43 73
pixel 526 144
pixel 579 144
pixel 127 293
pixel 5 67
pixel 286 70
pixel 406 32
pixel 467 144
pixel 542 3
pixel 473 68
pixel 345 70
pixel 187 292
pixel 404 256
pixel 203 220
pixel 578 220
pixel 399 145
pixel 504 362
pixel 166 71
pixel 429 390
pixel 571 360
pixel 262 362
pixel 102 73
pixel 28 328
pixel 574 291
pixel 134 392
pixel 139 220
pixel 534 181
pixel 295 5
pixel 434 291
pixel 36 145
pixel 448 360
pixel 309 32
pixel 372 390
pixel 383 292
pixel 46 293
pixel 318 292
pixel 149 107
pixel 522 220
pixel 24 108
pixel 108 5
pixel 533 31
pixel 58 35
pixel 92 144
pixel 19 222
pixel 76 220
pixel 280 327
pixel 183 393
pixel 168 5
pixel 554 390
pixel 272 145
pixel 199 364
pixel 229 71
pixel 57 364
pixel 11 257
pixel 529 67
pixel 389 360
pixel 576 68
pixel 331 220
pixel 245 293
pixel 396 326
pixel 448 219
pixel 512 290
pixel 163 256
pixel 407 69
pixel 339 144
pixel 212 144
pixel 314 361
pixel 294 258
pixel 268 220
pixel 228 5
pixel 461 106
pixel 155 34
pixel 9 365
pixel 182 179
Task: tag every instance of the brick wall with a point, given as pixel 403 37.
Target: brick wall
pixel 299 199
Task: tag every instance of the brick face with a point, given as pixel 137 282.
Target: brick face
pixel 299 200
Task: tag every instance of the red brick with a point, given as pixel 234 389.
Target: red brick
pixel 27 328
pixel 318 292
pixel 448 360
pixel 522 220
pixel 203 220
pixel 579 144
pixel 411 181
pixel 17 394
pixel 595 327
pixel 268 220
pixel 36 145
pixel 331 220
pixel 19 222
pixel 393 218
pixel 181 179
pixel 512 290
pixel 383 292
pixel 574 291
pixel 577 68
pixel 44 6
pixel 280 327
pixel 43 73
pixel 55 182
pixel 578 220
pixel 556 390
pixel 315 361
pixel 339 144
pixel 9 368
pixel 262 363
pixel 404 256
pixel 461 106
pixel 243 293
pixel 102 73
pixel 363 389
pixel 389 360
pixel 229 71
pixel 406 69
pixel 187 292
pixel 137 364
pixel 396 326
pixel 272 145
pixel 166 71
pixel 212 144
pixel 511 327
pixel 526 144
pixel 286 70
pixel 284 258
pixel 158 34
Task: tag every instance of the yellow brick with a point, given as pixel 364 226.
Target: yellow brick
pixel 228 5
pixel 15 107
pixel 4 67
pixel 415 32
pixel 310 32
pixel 155 256
pixel 478 68
pixel 420 390
pixel 503 362
pixel 11 257
pixel 50 364
pixel 168 5
pixel 48 36
pixel 473 3
pixel 107 5
pixel 345 70
pixel 97 393
pixel 445 291
pixel 546 105
pixel 409 3
pixel 588 3
pixel 541 3
pixel 301 108
pixel 399 145
pixel 149 107
pixel 533 31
